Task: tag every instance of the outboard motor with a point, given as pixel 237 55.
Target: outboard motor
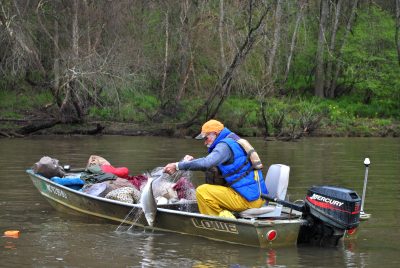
pixel 330 211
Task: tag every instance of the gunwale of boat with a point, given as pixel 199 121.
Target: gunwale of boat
pixel 288 216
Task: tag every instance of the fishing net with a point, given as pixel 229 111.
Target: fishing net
pixel 172 187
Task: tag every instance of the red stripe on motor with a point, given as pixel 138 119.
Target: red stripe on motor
pixel 328 206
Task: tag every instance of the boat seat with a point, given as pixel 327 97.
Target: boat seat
pixel 276 180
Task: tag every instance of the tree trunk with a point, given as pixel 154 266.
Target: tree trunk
pixel 319 72
pixel 331 93
pixel 164 78
pixel 70 109
pixel 88 41
pixel 221 35
pixel 185 62
pixel 398 29
pixel 56 66
pixel 56 50
pixel 269 78
pixel 346 34
pixel 277 36
pixel 263 105
pixel 294 37
pixel 75 30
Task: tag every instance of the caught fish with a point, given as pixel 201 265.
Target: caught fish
pixel 147 198
pixel 148 202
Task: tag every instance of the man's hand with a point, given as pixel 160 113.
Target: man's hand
pixel 170 168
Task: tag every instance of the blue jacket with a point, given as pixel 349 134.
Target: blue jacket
pixel 239 174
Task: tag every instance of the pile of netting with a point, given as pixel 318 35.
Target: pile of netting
pixel 101 179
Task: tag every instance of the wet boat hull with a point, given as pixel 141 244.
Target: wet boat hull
pixel 180 218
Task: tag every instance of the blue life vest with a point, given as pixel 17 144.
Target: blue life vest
pixel 240 174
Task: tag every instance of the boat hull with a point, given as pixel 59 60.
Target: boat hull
pixel 179 218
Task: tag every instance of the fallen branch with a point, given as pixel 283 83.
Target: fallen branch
pixel 16 135
pixel 4 134
pixel 35 127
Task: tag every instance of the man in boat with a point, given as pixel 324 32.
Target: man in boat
pixel 234 180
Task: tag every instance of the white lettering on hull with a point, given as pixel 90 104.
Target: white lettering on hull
pixel 215 226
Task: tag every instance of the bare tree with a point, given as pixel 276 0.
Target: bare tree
pixel 328 92
pixel 276 38
pixel 221 34
pixel 270 53
pixel 75 29
pixel 56 51
pixel 88 37
pixel 71 110
pixel 24 50
pixel 398 29
pixel 339 55
pixel 81 68
pixel 212 104
pixel 185 50
pixel 319 72
pixel 299 16
pixel 164 77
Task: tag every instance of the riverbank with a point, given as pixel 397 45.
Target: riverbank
pixel 286 118
pixel 25 127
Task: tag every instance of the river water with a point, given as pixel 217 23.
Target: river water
pixel 52 239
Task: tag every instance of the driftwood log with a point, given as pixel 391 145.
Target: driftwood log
pixel 82 131
pixel 33 127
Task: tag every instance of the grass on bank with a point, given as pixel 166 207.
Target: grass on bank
pixel 18 105
pixel 285 116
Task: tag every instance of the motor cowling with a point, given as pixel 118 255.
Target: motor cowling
pixel 330 211
pixel 335 206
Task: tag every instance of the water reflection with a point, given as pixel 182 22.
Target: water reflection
pixel 271 258
pixel 352 256
pixel 149 259
pixel 10 245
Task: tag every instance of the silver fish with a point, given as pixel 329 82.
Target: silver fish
pixel 148 202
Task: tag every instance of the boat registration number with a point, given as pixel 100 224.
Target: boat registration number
pixel 56 191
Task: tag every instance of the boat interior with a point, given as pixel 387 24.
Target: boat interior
pixel 277 180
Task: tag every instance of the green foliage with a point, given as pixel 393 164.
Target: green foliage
pixel 382 122
pixel 254 67
pixel 11 115
pixel 294 116
pixel 301 71
pixel 276 112
pixel 372 63
pixel 101 113
pixel 240 112
pixel 310 113
pixel 146 102
pixel 337 114
pixel 42 98
pixel 139 106
pixel 188 108
pixel 155 41
pixel 13 103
